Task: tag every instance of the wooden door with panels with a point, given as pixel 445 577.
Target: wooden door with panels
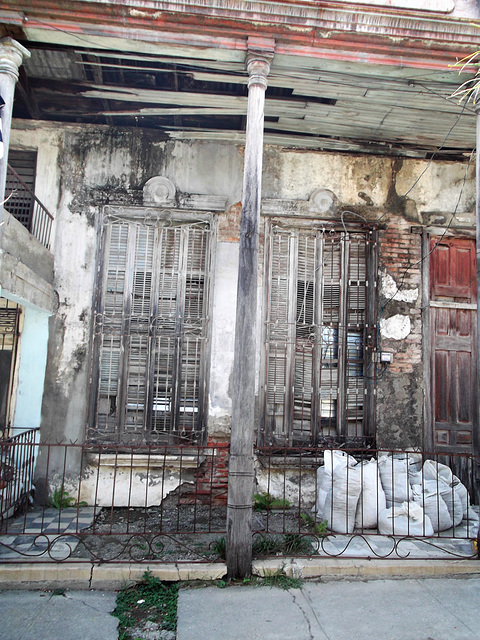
pixel 453 323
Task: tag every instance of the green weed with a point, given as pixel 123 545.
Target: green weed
pixel 319 528
pixel 264 502
pixel 266 545
pixel 286 544
pixel 219 547
pixel 150 599
pixel 295 543
pixel 280 580
pixel 60 499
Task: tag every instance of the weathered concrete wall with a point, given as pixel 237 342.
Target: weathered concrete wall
pixel 89 167
pixel 26 267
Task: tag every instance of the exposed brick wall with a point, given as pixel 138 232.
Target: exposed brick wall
pixel 229 224
pixel 400 387
pixel 400 257
pixel 211 478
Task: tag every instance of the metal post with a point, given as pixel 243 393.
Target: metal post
pixel 241 467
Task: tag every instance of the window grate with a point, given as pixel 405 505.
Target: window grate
pixel 314 383
pixel 151 333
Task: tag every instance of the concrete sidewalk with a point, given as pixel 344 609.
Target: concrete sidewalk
pixel 74 615
pixel 383 609
pixel 419 609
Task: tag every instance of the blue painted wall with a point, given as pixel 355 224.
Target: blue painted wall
pixel 31 371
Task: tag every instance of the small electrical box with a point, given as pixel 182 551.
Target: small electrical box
pixel 384 357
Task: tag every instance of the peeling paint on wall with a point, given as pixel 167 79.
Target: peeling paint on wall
pixel 392 292
pixel 396 328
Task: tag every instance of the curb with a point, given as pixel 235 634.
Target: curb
pixel 365 569
pixel 83 575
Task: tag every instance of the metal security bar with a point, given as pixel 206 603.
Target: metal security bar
pixel 23 205
pixel 317 351
pixel 153 504
pixel 10 314
pixel 167 504
pixel 17 465
pixel 366 504
pixel 151 332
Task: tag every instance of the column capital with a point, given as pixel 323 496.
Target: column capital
pixel 260 53
pixel 12 54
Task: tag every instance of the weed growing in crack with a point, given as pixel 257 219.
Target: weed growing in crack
pixel 149 600
pixel 60 499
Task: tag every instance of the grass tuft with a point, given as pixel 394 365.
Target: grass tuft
pixel 286 544
pixel 280 580
pixel 150 599
pixel 264 502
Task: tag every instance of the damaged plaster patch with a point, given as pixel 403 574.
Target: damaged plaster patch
pixel 391 291
pixel 397 327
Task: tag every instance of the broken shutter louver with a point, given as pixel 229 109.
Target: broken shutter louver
pixel 315 304
pixel 153 333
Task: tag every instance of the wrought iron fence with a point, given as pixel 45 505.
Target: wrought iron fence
pixel 163 504
pixel 17 464
pixel 366 503
pixel 23 205
pixel 122 504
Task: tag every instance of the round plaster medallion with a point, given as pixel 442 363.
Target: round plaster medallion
pixel 322 200
pixel 159 190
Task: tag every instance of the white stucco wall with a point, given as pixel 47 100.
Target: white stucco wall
pixel 223 336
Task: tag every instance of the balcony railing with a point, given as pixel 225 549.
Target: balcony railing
pixel 23 205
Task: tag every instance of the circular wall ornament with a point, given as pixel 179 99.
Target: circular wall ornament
pixel 159 190
pixel 322 200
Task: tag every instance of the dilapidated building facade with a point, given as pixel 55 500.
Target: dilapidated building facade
pixel 132 116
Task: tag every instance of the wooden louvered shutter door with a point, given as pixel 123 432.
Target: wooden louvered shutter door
pixel 356 305
pixel 137 332
pixel 280 335
pixel 304 298
pixel 313 382
pixel 151 329
pixel 192 334
pixel 180 333
pixel 110 319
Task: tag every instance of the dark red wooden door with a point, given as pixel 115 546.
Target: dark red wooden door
pixel 453 328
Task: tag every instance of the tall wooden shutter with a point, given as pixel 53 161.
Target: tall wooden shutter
pixel 314 385
pixel 152 332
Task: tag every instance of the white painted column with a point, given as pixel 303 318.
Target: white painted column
pixel 12 55
pixel 241 464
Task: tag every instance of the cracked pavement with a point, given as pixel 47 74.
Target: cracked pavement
pixel 407 609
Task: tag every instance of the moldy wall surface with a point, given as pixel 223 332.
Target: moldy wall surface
pixel 87 167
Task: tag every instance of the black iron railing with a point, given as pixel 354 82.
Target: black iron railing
pixel 23 205
pixel 17 466
pixel 165 504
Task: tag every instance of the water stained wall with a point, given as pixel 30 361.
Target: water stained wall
pixel 89 167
